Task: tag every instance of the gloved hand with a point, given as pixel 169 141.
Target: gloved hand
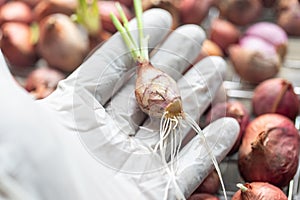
pixel 89 140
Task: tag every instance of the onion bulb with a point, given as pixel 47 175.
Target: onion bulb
pixel 15 11
pixel 17 45
pixel 254 66
pixel 43 81
pixel 240 12
pixel 233 109
pixel 289 16
pixel 269 151
pixel 271 33
pixel 281 100
pixel 61 43
pixel 223 33
pixel 258 191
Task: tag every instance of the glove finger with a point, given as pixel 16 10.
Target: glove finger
pixel 198 87
pixel 171 58
pixel 195 163
pixel 101 72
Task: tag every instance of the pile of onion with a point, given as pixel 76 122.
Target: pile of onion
pixel 270 150
pixel 281 100
pixel 258 191
pixel 260 52
pixel 233 109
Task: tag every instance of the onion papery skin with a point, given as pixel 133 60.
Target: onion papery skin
pixel 269 150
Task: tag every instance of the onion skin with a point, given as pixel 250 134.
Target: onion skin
pixel 203 196
pixel 105 8
pixel 16 44
pixel 269 150
pixel 41 82
pixel 271 33
pixel 240 12
pixel 259 191
pixel 223 33
pixel 210 184
pixel 233 109
pixel 15 11
pixel 289 16
pixel 281 100
pixel 61 43
pixel 155 91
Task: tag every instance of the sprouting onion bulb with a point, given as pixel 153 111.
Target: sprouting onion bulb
pixel 157 95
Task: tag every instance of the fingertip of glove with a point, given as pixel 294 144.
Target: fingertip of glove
pixel 159 18
pixel 192 31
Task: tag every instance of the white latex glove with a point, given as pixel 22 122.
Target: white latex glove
pixel 89 140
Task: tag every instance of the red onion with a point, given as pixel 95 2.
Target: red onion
pixel 259 191
pixel 281 100
pixel 223 33
pixel 15 11
pixel 43 81
pixel 269 151
pixel 203 196
pixel 105 8
pixel 210 184
pixel 271 33
pixel 233 109
pixel 240 12
pixel 289 16
pixel 16 44
pixel 62 44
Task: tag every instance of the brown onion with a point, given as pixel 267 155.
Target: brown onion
pixel 43 81
pixel 233 109
pixel 210 184
pixel 223 33
pixel 15 11
pixel 240 12
pixel 269 151
pixel 259 191
pixel 61 43
pixel 16 44
pixel 282 98
pixel 203 196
